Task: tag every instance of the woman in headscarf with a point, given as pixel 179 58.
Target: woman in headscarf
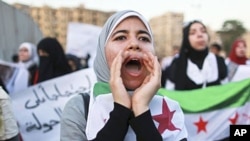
pixel 28 58
pixel 195 67
pixel 238 52
pixel 52 59
pixel 123 103
pixel 237 56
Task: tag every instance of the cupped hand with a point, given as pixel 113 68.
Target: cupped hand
pixel 118 89
pixel 143 94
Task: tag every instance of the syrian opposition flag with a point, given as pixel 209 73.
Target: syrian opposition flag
pixel 209 112
pixel 166 113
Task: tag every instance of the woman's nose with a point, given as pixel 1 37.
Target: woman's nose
pixel 200 34
pixel 134 45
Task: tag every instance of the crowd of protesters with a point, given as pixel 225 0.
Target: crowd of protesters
pixel 195 65
pixel 34 64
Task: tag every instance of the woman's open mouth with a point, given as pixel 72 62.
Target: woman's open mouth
pixel 133 67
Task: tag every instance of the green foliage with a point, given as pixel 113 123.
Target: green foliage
pixel 231 30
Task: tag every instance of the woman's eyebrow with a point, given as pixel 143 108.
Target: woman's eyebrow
pixel 125 31
pixel 144 32
pixel 119 31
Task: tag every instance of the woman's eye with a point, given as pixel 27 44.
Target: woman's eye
pixel 191 33
pixel 204 31
pixel 146 39
pixel 120 38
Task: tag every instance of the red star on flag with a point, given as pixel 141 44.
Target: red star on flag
pixel 165 118
pixel 234 119
pixel 201 124
pixel 246 116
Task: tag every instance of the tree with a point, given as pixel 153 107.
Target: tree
pixel 231 30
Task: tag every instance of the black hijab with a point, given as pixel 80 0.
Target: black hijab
pixel 55 64
pixel 177 70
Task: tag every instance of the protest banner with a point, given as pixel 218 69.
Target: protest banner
pixel 82 40
pixel 208 112
pixel 38 109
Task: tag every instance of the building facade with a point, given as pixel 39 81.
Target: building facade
pixel 54 22
pixel 167 31
pixel 167 28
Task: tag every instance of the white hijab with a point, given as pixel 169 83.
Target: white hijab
pixel 100 63
pixel 32 52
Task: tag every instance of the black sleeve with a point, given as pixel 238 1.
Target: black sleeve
pixel 222 67
pixel 144 128
pixel 168 73
pixel 163 78
pixel 3 85
pixel 117 126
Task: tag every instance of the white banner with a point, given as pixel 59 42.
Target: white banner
pixel 38 109
pixel 82 40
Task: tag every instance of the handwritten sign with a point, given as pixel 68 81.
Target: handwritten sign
pixel 38 109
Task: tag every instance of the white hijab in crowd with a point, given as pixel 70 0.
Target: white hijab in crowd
pixel 19 80
pixel 33 59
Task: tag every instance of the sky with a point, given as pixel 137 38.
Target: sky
pixel 212 13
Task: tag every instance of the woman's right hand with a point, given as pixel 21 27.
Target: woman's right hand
pixel 118 89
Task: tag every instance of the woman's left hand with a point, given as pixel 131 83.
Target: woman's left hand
pixel 143 95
